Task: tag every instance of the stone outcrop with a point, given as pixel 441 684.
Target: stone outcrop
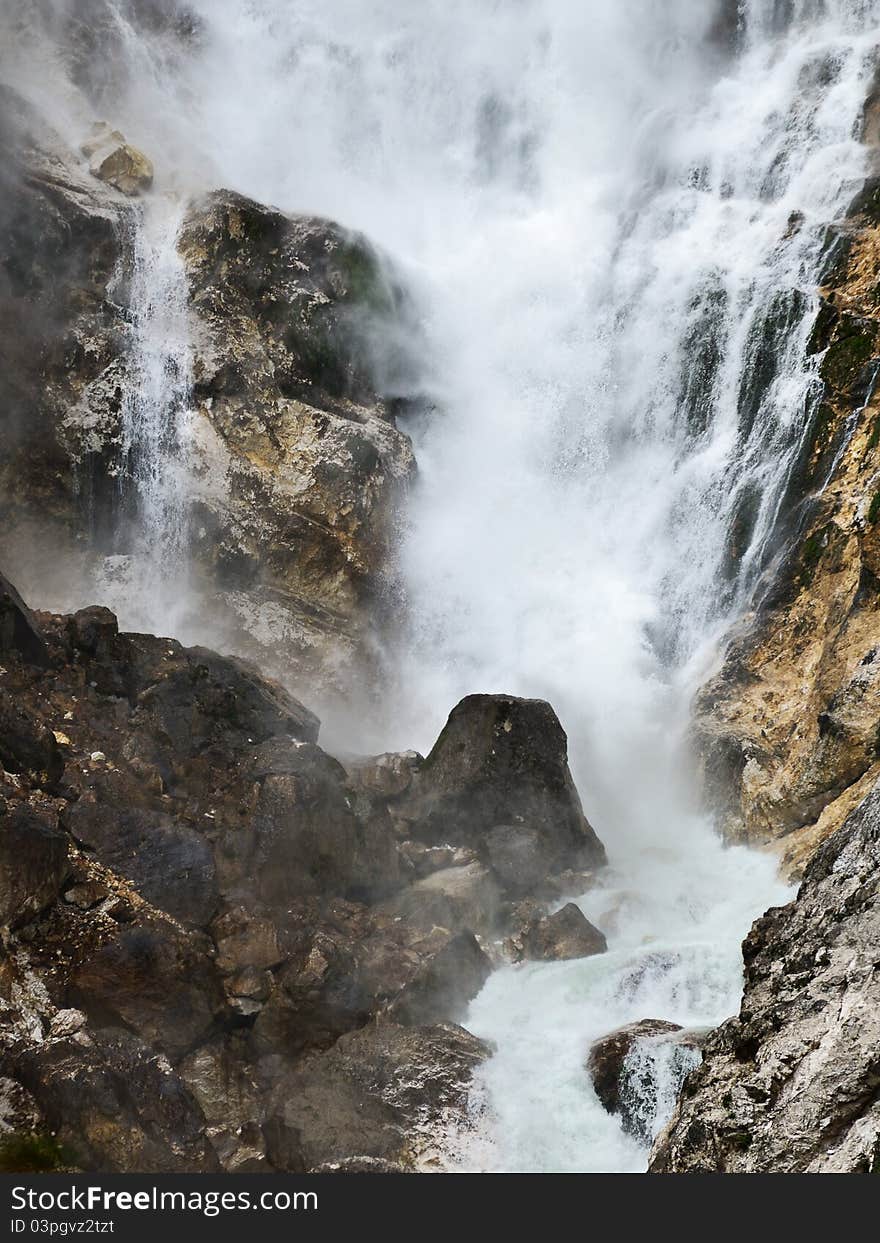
pixel 564 935
pixel 296 468
pixel 791 1085
pixel 217 951
pixel 289 315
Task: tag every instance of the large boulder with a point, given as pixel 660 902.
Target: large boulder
pixel 497 780
pixel 115 161
pixel 564 935
pixel 385 1092
pixel 637 1072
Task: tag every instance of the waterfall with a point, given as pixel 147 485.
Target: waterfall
pixel 613 219
pixel 146 582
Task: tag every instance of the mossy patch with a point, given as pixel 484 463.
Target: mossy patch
pixel 874 507
pixel 31 1153
pixel 848 354
pixel 812 552
pixel 363 278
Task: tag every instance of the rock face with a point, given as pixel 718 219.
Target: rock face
pixel 791 1084
pixel 296 469
pixel 639 1069
pixel 289 314
pixel 787 730
pixel 198 900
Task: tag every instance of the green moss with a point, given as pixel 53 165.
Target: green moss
pixel 874 507
pixel 813 549
pixel 31 1153
pixel 362 275
pixel 740 1140
pixel 848 354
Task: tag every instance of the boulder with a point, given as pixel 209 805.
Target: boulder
pixel 385 1092
pixel 566 934
pixel 170 864
pixel 637 1072
pixel 497 780
pixel 115 161
pixel 33 864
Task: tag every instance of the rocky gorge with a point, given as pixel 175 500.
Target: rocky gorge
pixel 229 941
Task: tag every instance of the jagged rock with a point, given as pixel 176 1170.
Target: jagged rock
pixel 219 1079
pixel 497 780
pixel 630 1085
pixel 113 160
pixel 383 1093
pixel 790 1085
pixel 566 934
pixel 33 864
pixel 313 469
pixel 19 633
pixel 158 981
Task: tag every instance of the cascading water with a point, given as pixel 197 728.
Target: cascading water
pixel 146 584
pixel 613 219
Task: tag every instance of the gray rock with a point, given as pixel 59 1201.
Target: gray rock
pixel 566 934
pixel 33 864
pixel 790 1085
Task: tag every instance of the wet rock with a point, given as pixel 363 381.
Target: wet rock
pixel 567 934
pixel 384 1093
pixel 158 981
pixel 790 1085
pixel 33 864
pixel 307 468
pixel 638 1070
pixel 497 780
pixel 218 1077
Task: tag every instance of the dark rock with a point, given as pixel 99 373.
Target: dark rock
pixel 158 981
pixel 19 633
pixel 33 865
pixel 115 1105
pixel 26 745
pixel 383 1093
pixel 170 864
pixel 565 935
pixel 499 770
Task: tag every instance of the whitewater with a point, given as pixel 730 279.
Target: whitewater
pixel 612 220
